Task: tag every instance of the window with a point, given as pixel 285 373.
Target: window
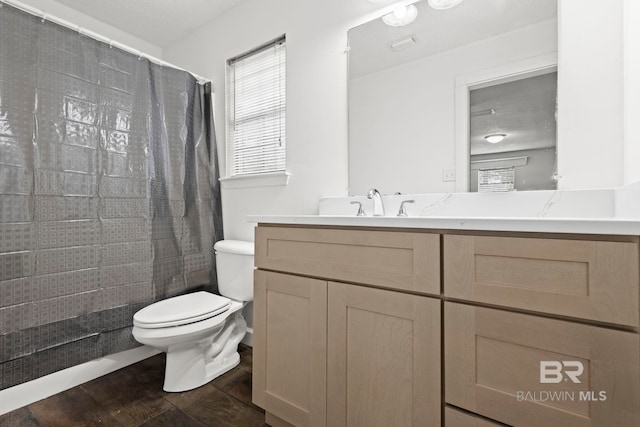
pixel 256 111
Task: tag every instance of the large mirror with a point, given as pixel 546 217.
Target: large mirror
pixel 424 98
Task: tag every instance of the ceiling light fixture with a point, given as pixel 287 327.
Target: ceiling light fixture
pixel 494 138
pixel 443 4
pixel 401 16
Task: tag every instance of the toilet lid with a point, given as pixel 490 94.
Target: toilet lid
pixel 181 310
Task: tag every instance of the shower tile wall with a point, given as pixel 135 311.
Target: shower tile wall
pixel 105 202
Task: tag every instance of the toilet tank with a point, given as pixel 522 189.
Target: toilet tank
pixel 234 264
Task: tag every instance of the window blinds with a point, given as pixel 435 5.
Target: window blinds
pixel 256 111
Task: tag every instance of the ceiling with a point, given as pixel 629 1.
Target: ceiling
pixel 159 22
pixel 437 31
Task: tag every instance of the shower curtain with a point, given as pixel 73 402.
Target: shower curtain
pixel 109 194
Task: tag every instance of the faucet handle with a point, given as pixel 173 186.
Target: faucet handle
pixel 403 211
pixel 360 208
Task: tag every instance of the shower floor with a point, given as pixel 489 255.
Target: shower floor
pixel 133 396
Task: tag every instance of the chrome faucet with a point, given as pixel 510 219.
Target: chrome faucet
pixel 378 205
pixel 403 211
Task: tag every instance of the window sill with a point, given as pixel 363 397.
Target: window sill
pixel 258 180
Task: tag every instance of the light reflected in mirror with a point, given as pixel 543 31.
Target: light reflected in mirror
pixel 402 91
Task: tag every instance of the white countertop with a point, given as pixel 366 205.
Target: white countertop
pixel 610 226
pixel 613 211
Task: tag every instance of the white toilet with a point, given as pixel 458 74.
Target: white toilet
pixel 200 331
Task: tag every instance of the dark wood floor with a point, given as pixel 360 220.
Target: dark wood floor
pixel 133 396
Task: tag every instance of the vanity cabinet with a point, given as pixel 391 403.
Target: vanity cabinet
pixel 572 359
pixel 383 358
pixel 457 418
pixel 330 353
pixel 360 327
pixel 396 260
pixel 493 367
pixel 586 279
pixel 290 347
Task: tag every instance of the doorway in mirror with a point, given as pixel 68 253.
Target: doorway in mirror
pixel 512 134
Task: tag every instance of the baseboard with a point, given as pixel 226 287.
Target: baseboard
pixel 41 388
pixel 248 337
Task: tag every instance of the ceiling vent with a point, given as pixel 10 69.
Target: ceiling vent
pixel 403 44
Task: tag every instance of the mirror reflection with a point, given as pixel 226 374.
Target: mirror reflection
pixel 513 135
pixel 403 102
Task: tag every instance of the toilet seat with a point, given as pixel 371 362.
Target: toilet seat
pixel 181 310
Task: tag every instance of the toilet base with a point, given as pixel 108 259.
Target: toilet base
pixel 217 369
pixel 194 365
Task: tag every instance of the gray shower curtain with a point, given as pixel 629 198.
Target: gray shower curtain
pixel 109 194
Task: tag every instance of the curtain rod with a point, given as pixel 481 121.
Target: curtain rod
pixel 83 31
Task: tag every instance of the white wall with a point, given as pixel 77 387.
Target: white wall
pixel 402 121
pixel 632 90
pixel 591 94
pixel 58 10
pixel 316 96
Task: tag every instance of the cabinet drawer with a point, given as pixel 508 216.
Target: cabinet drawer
pixel 585 279
pixel 456 418
pixel 493 366
pixel 397 260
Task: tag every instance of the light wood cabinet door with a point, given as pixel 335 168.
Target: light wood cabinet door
pixel 389 259
pixel 290 347
pixel 456 418
pixel 494 367
pixel 593 280
pixel 383 358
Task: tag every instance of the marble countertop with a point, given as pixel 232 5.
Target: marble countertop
pixel 602 226
pixel 612 211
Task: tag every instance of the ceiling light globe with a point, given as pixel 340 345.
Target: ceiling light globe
pixel 444 4
pixel 401 16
